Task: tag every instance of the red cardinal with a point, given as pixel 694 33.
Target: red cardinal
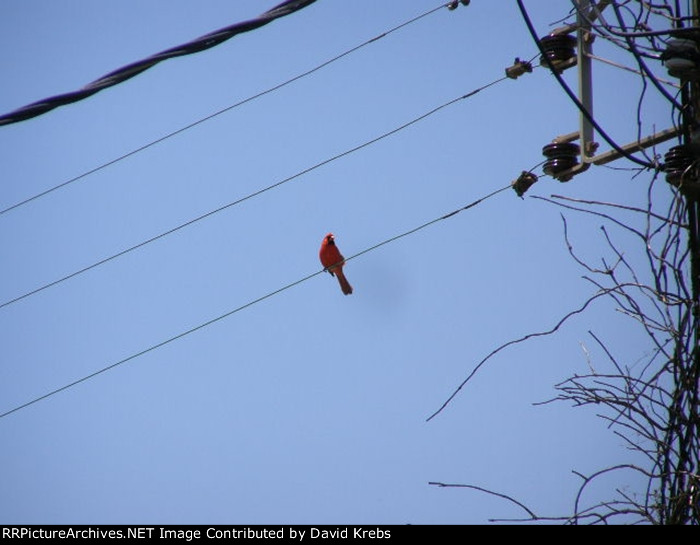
pixel 333 261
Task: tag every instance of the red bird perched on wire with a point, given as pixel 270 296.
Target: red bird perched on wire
pixel 333 261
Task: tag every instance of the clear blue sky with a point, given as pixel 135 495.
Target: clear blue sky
pixel 308 407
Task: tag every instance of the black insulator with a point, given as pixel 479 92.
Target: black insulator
pixel 560 157
pixel 524 182
pixel 453 5
pixel 682 59
pixel 558 48
pixel 678 165
pixel 554 167
pixel 561 149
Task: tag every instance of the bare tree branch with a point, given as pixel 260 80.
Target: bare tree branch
pixel 486 491
pixel 554 329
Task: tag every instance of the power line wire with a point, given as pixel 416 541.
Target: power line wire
pixel 609 62
pixel 129 71
pixel 254 194
pixel 246 305
pixel 222 111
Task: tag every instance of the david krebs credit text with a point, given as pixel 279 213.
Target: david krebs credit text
pixel 193 533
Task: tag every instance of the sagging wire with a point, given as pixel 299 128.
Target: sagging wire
pixel 246 305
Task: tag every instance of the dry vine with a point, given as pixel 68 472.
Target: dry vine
pixel 654 407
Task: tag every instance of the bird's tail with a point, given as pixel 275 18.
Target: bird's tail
pixel 344 284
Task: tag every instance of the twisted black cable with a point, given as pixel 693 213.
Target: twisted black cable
pixel 129 71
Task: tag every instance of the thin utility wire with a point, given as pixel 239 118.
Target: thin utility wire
pixel 246 305
pixel 673 84
pixel 126 72
pixel 223 110
pixel 254 194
